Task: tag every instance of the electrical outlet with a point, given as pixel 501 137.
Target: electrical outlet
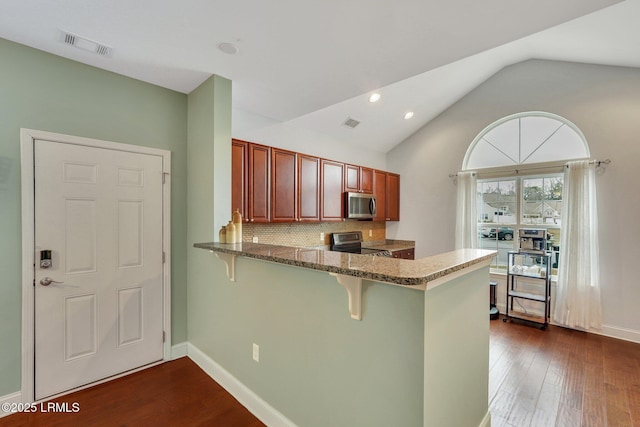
pixel 370 233
pixel 322 237
pixel 256 352
pixel 255 239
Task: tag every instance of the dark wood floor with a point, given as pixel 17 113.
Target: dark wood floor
pixel 176 393
pixel 561 377
pixel 557 377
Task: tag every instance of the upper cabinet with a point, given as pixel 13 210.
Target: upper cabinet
pixel 308 188
pixel 380 191
pixel 259 163
pixel 393 197
pixel 386 187
pixel 284 185
pixel 269 184
pixel 295 187
pixel 358 179
pixel 239 177
pixel 351 178
pixel 331 190
pixel 366 180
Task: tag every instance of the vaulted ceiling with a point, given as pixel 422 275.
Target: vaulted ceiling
pixel 314 63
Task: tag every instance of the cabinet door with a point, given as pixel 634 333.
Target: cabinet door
pixel 351 178
pixel 259 156
pixel 380 191
pixel 283 186
pixel 393 197
pixel 366 180
pixel 308 188
pixel 331 194
pixel 404 254
pixel 239 177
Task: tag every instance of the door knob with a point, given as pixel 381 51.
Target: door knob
pixel 46 281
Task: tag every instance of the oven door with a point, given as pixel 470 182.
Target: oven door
pixel 360 206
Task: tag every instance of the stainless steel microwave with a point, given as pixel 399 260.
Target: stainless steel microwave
pixel 360 206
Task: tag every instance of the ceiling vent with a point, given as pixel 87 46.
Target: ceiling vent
pixel 85 44
pixel 352 123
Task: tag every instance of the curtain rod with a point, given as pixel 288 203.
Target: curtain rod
pixel 598 163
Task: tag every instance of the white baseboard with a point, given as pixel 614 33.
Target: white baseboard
pixel 258 407
pixel 9 398
pixel 179 350
pixel 620 333
pixel 625 334
pixel 486 421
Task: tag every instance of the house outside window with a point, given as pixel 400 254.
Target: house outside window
pixel 533 202
pixel 519 161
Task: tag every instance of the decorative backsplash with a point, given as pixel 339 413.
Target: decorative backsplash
pixel 308 234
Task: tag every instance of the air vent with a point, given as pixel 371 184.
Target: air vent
pixel 85 44
pixel 350 122
pixel 69 39
pixel 103 50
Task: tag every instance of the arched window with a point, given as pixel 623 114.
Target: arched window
pixel 525 138
pixel 520 179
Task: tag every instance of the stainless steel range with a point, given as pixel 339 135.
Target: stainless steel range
pixel 351 242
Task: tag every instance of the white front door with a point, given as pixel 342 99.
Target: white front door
pixel 99 212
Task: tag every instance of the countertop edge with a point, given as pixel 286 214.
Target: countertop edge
pixel 408 273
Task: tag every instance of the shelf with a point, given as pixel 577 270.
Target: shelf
pixel 526 295
pixel 540 320
pixel 530 276
pixel 522 260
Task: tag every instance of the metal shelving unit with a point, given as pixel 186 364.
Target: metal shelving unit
pixel 528 279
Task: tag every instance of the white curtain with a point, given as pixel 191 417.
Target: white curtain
pixel 578 292
pixel 466 216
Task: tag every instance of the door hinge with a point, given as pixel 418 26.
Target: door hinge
pixel 164 336
pixel 164 176
pixel 164 257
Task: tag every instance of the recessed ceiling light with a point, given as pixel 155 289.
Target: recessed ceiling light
pixel 228 48
pixel 408 115
pixel 375 97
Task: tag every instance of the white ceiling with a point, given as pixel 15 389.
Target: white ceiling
pixel 313 63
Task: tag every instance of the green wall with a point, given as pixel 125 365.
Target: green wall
pixel 317 366
pixel 46 92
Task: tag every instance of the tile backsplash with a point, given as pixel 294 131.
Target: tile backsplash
pixel 308 234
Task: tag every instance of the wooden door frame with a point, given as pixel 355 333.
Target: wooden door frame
pixel 27 138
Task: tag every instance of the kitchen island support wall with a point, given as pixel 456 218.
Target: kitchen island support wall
pixel 415 359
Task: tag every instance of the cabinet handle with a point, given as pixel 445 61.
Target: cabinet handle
pixel 251 219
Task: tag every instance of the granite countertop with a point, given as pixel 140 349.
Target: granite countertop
pixel 411 273
pixel 389 244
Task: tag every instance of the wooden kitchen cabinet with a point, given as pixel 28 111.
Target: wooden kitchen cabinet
pixel 308 188
pixel 284 186
pixel 258 173
pixel 380 191
pixel 404 254
pixel 239 177
pixel 366 180
pixel 352 178
pixel 269 184
pixel 331 190
pixel 358 179
pixel 393 197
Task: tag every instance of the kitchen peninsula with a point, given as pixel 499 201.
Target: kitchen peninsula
pixel 418 357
